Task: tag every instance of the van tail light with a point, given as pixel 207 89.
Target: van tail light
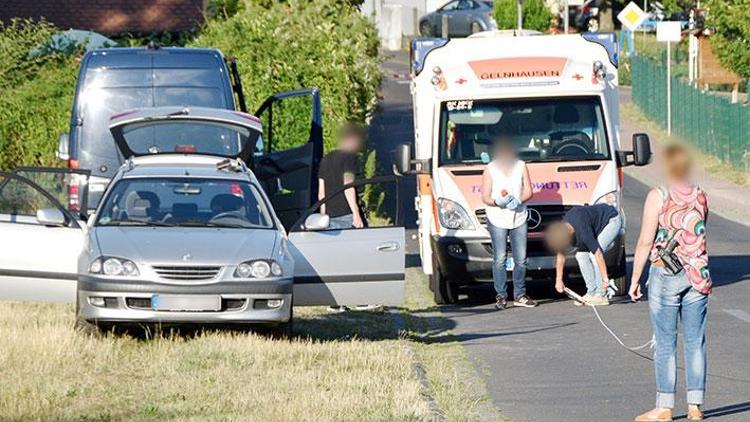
pixel 619 175
pixel 185 148
pixel 73 164
pixel 74 196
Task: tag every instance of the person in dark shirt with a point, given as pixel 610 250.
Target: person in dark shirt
pixel 590 230
pixel 337 169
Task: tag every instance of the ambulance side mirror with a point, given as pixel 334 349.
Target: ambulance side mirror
pixel 402 159
pixel 403 163
pixel 641 149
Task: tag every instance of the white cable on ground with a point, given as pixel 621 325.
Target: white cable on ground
pixel 650 343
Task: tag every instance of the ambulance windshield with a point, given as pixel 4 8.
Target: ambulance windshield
pixel 543 129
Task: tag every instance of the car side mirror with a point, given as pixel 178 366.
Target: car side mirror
pixel 50 217
pixel 317 221
pixel 63 147
pixel 641 149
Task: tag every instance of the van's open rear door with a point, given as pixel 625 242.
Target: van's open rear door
pixel 288 166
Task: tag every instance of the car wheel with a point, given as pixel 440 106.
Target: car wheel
pixel 475 27
pixel 424 29
pixel 444 292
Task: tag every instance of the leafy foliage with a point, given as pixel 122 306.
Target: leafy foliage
pixel 37 95
pixel 297 43
pixel 731 18
pixel 536 14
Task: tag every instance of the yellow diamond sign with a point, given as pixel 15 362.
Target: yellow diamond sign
pixel 632 16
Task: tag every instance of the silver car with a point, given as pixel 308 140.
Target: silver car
pixel 465 17
pixel 185 233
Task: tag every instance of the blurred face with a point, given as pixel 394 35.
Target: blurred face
pixel 677 162
pixel 351 143
pixel 504 152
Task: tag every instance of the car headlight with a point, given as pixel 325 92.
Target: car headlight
pixel 258 269
pixel 114 267
pixel 453 216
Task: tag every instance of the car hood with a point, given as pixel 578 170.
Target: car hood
pixel 194 246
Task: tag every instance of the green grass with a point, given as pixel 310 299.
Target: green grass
pixel 351 366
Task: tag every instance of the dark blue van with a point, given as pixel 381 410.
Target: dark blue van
pixel 114 80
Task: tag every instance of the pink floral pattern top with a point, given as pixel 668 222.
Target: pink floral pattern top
pixel 683 215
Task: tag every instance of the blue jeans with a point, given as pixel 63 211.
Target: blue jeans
pixel 587 262
pixel 341 222
pixel 518 247
pixel 671 297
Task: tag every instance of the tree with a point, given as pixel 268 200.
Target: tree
pixel 536 14
pixel 731 18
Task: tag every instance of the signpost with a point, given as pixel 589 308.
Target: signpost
pixel 669 32
pixel 631 17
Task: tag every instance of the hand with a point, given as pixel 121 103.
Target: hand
pixel 635 291
pixel 502 201
pixel 357 222
pixel 513 203
pixel 559 286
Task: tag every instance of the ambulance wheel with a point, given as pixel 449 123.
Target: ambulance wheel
pixel 443 290
pixel 424 29
pixel 622 286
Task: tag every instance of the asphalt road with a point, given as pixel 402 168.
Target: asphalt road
pixel 556 362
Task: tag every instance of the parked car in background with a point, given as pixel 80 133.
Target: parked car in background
pixel 465 17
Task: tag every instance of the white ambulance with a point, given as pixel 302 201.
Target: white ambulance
pixel 556 97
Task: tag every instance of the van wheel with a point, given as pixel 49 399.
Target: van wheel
pixel 622 285
pixel 443 290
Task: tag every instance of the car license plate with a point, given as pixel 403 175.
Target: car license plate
pixel 186 303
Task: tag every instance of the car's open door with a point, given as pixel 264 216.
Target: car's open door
pixel 334 266
pixel 41 238
pixel 293 147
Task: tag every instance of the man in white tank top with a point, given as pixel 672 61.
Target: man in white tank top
pixel 505 187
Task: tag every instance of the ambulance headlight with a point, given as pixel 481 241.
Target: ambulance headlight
pixel 453 216
pixel 599 70
pixel 611 198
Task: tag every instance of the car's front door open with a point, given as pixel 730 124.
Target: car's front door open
pixel 347 266
pixel 293 147
pixel 41 238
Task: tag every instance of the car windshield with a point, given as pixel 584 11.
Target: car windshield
pixel 185 202
pixel 189 137
pixel 547 129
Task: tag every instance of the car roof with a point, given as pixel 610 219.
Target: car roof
pixel 185 165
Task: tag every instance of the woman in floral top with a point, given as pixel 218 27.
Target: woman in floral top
pixel 677 211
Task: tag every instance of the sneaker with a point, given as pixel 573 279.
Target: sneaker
pixel 500 303
pixel 585 298
pixel 596 300
pixel 525 302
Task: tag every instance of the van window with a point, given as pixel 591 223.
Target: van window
pixel 110 91
pixel 544 129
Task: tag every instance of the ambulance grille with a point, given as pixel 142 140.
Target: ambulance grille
pixel 186 273
pixel 549 214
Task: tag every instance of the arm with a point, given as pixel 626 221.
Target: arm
pixel 351 199
pixel 559 268
pixel 645 240
pixel 526 189
pixel 322 194
pixel 487 188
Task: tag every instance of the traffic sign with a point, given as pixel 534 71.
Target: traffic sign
pixel 632 16
pixel 668 31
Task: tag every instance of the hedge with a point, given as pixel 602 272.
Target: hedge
pixel 300 43
pixel 536 15
pixel 37 95
pixel 731 18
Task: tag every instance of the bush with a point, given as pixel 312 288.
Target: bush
pixel 294 44
pixel 37 95
pixel 536 14
pixel 731 18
